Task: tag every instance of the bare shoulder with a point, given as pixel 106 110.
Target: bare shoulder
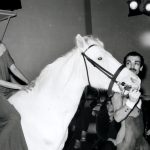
pixel 2 49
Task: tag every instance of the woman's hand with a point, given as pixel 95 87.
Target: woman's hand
pixel 28 87
pixel 148 132
pixel 112 140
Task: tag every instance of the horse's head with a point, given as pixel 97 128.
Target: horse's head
pixel 103 70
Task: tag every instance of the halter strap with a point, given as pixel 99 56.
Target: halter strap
pixel 90 47
pixel 106 72
pixel 113 80
pixel 86 70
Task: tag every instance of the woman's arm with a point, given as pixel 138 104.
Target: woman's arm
pixel 10 85
pixel 18 73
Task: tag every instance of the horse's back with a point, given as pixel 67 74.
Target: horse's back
pixel 42 115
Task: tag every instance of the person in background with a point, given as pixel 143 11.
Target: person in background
pixel 106 126
pixel 11 134
pixel 89 100
pixel 127 110
pixel 134 61
pixel 79 125
pixel 123 112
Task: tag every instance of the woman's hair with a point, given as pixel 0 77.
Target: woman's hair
pixel 104 94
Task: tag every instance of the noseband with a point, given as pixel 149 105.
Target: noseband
pixel 103 70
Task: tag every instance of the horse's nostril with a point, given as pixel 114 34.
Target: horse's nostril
pixel 127 88
pixel 123 83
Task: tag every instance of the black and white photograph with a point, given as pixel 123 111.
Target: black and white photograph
pixel 75 75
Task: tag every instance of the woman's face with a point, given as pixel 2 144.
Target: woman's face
pixel 102 99
pixel 110 107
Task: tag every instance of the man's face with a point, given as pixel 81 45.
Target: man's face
pixel 133 63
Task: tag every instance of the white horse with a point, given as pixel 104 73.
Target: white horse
pixel 48 108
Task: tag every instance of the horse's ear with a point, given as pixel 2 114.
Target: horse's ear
pixel 80 42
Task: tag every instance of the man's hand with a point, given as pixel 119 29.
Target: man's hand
pixel 134 95
pixel 133 98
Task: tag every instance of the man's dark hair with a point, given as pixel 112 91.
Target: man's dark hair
pixel 142 73
pixel 134 53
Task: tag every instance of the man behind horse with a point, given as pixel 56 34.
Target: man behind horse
pixel 128 111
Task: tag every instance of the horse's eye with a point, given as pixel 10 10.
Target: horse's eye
pixel 100 58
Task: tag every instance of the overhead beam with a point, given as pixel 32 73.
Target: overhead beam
pixel 88 17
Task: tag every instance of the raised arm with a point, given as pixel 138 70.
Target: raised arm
pixel 10 85
pixel 18 73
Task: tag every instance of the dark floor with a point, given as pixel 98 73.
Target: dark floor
pixel 92 139
pixel 89 144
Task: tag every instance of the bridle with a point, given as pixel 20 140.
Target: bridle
pixel 103 70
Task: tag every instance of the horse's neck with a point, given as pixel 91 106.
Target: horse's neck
pixel 66 77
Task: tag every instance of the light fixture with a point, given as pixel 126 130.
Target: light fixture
pixel 146 7
pixel 138 7
pixel 134 7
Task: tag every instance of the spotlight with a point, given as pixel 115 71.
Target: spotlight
pixel 134 7
pixel 146 7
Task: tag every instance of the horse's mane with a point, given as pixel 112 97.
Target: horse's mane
pixel 60 71
pixel 90 39
pixel 103 91
pixel 68 61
